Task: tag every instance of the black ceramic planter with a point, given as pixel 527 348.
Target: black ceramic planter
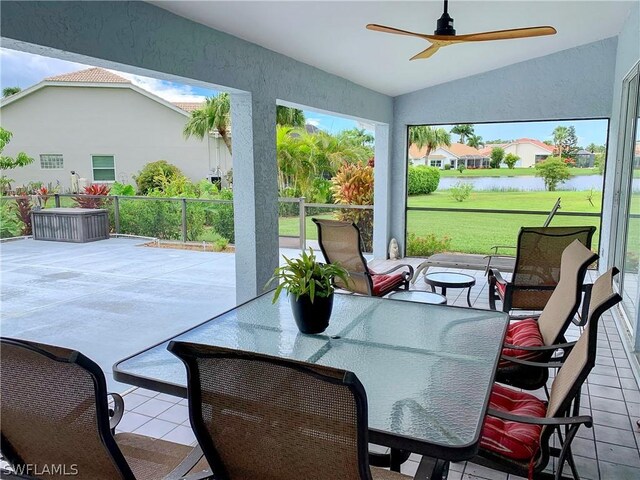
pixel 311 317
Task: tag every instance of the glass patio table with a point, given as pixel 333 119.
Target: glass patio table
pixel 427 369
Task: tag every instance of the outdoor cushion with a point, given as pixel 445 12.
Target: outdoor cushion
pixel 524 333
pixel 502 288
pixel 383 283
pixel 518 441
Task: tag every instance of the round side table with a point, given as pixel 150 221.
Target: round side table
pixel 446 280
pixel 419 296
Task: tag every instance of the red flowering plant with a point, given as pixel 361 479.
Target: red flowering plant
pixel 93 201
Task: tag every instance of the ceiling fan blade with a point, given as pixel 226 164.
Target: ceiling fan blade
pixel 382 28
pixel 426 53
pixel 500 34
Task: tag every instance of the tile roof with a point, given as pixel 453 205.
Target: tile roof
pixel 90 75
pixel 457 149
pixel 188 106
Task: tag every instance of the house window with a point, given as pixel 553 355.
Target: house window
pixel 51 161
pixel 104 168
pixel 436 163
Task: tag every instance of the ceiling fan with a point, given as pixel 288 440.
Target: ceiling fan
pixel 445 34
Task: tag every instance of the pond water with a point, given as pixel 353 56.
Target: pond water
pixel 582 182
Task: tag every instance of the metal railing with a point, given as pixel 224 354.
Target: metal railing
pixel 114 204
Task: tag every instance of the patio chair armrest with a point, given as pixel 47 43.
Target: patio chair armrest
pixel 542 348
pixel 181 472
pixel 495 275
pixel 403 265
pixel 583 419
pixel 530 363
pixel 517 318
pixel 115 414
pixel 496 247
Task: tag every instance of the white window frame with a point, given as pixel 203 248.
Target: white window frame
pixel 115 169
pixel 52 155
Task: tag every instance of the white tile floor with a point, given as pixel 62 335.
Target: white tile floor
pixel 610 396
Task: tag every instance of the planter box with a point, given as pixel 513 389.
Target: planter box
pixel 78 225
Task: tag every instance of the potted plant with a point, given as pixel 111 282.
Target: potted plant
pixel 310 288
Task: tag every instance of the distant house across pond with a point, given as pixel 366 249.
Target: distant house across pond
pixel 530 151
pixel 454 155
pixel 104 128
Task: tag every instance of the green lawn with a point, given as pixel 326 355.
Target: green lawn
pixel 473 232
pixel 505 172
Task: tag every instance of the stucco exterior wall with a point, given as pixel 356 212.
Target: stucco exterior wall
pixel 556 86
pixel 79 122
pixel 527 153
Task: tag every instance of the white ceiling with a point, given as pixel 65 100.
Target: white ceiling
pixel 331 35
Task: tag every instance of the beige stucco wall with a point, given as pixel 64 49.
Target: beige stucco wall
pixel 78 122
pixel 527 153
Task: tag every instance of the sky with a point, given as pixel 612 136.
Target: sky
pixel 20 69
pixel 587 131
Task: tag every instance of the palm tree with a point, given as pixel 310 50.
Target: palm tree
pixel 359 136
pixel 430 137
pixel 212 116
pixel 560 135
pixel 8 91
pixel 475 141
pixel 289 117
pixel 465 131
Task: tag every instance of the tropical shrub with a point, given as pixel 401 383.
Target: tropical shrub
pixel 88 202
pixel 553 171
pixel 447 166
pixel 222 214
pixel 423 180
pixel 23 212
pixel 353 185
pixel 511 159
pixel 461 168
pixel 497 156
pixel 10 225
pixel 427 245
pixel 9 163
pixel 122 189
pixel 461 191
pixel 154 175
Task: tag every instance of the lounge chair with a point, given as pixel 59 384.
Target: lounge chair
pixel 263 417
pixel 340 243
pixel 539 338
pixel 518 429
pixel 55 415
pixel 537 268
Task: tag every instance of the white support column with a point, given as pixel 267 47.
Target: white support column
pixel 382 193
pixel 255 192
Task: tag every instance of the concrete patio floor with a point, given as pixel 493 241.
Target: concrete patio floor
pixel 113 298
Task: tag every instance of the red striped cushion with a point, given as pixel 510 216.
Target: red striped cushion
pixel 383 283
pixel 519 441
pixel 524 333
pixel 502 287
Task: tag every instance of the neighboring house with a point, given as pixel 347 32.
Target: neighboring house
pixel 104 128
pixel 530 151
pixel 454 155
pixel 585 158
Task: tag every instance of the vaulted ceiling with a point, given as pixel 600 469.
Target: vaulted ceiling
pixel 331 35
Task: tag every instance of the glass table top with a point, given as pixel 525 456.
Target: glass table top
pixel 449 278
pixel 427 369
pixel 418 296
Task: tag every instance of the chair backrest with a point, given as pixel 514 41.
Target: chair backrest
pixel 340 243
pixel 575 369
pixel 552 213
pixel 537 267
pixel 55 414
pixel 565 299
pixel 257 416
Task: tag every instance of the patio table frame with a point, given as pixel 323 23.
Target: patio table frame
pixel 401 445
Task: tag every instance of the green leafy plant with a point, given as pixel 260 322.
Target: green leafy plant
pixel 122 189
pixel 155 175
pixel 10 225
pixel 423 180
pixel 9 163
pixel 306 276
pixel 427 245
pixel 447 166
pixel 461 168
pixel 497 156
pixel 510 160
pixel 221 244
pixel 553 171
pixel 461 191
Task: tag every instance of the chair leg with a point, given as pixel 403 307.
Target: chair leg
pixel 566 454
